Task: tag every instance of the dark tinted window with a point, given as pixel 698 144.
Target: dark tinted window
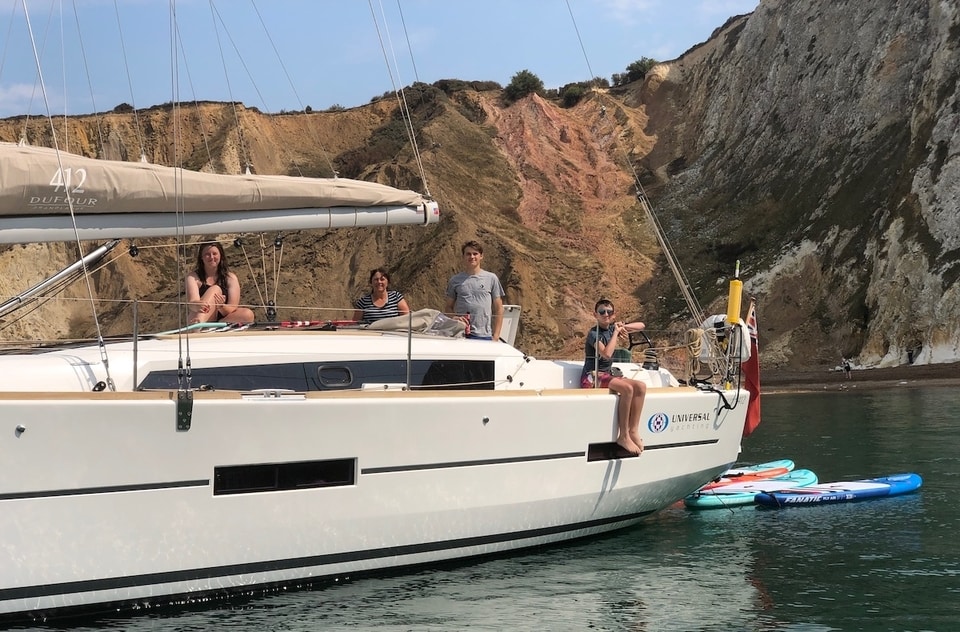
pixel 271 477
pixel 234 378
pixel 433 374
pixel 458 374
pixel 332 376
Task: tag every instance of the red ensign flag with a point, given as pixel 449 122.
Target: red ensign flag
pixel 751 372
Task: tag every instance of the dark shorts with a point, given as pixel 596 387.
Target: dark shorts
pixel 587 380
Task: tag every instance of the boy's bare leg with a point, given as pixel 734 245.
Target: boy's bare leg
pixel 624 402
pixel 636 408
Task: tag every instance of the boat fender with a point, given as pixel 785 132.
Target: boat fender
pixel 733 300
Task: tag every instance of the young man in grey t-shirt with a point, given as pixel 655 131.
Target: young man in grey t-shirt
pixel 477 293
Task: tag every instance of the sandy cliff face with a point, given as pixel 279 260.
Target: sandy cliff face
pixel 540 186
pixel 815 142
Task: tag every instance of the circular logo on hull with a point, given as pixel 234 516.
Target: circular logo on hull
pixel 658 422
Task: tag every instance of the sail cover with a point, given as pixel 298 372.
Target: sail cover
pixel 109 199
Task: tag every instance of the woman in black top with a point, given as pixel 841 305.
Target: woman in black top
pixel 213 292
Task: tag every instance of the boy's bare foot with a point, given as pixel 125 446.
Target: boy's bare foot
pixel 627 444
pixel 635 437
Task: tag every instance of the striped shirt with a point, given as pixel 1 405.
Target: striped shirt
pixel 371 312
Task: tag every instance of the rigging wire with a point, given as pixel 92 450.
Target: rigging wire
pixel 63 77
pixel 193 92
pixel 6 42
pixel 724 363
pixel 63 178
pixel 215 17
pixel 86 69
pixel 406 34
pixel 316 136
pixel 583 49
pixel 696 311
pixel 126 66
pixel 277 265
pixel 401 96
pixel 218 24
pixel 183 341
pixel 253 274
pixel 33 93
pixel 685 288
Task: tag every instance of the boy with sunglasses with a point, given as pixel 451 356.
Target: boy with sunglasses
pixel 600 343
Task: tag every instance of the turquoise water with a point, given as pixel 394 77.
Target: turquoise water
pixel 890 564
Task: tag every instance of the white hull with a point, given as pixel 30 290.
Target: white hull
pixel 104 500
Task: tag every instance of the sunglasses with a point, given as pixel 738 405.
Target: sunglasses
pixel 605 312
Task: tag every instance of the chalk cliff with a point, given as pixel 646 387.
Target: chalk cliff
pixel 818 142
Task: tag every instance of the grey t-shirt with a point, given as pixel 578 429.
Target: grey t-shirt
pixel 593 360
pixel 473 294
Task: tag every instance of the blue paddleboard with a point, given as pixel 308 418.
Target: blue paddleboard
pixel 743 493
pixel 840 492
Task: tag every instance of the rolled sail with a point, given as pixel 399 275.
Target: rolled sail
pixel 115 199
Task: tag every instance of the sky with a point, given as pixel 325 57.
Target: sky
pixel 284 55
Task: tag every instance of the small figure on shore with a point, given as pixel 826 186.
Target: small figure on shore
pixel 476 293
pixel 846 368
pixel 213 291
pixel 381 301
pixel 600 343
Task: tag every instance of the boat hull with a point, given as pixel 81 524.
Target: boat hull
pixel 268 489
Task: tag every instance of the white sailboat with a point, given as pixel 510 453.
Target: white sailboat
pixel 134 475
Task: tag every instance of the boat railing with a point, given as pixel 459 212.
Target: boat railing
pixel 150 319
pixel 147 318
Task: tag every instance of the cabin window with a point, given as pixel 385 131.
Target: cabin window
pixel 426 374
pixel 234 378
pixel 458 374
pixel 274 477
pixel 329 376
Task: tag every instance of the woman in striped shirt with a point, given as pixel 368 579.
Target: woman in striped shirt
pixel 381 302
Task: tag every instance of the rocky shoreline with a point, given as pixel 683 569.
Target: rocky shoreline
pixel 827 379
